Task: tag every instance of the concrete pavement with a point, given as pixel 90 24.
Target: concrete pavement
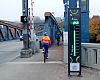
pixel 9 50
pixel 34 69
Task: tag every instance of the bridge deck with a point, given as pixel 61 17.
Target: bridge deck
pixel 33 68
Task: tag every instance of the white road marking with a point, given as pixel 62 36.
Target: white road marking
pixel 57 62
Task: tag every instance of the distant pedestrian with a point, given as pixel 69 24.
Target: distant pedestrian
pixel 62 35
pixel 58 38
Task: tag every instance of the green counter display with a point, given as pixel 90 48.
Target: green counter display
pixel 74 40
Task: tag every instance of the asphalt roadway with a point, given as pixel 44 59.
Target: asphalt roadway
pixel 33 68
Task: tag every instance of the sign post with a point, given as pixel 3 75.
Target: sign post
pixel 74 40
pixel 26 51
pixel 24 20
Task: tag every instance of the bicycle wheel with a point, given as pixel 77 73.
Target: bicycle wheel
pixel 44 58
pixel 44 55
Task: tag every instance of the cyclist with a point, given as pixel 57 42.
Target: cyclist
pixel 45 43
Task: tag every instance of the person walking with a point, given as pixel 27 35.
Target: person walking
pixel 45 40
pixel 58 38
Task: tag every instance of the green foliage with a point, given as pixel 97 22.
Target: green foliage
pixel 95 29
pixel 38 20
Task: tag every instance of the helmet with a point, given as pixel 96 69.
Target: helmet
pixel 45 33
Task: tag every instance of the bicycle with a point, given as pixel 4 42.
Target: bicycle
pixel 44 54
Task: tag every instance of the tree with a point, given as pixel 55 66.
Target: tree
pixel 60 21
pixel 37 19
pixel 95 28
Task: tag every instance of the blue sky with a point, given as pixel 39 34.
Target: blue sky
pixel 12 9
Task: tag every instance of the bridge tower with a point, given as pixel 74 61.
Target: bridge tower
pixel 84 4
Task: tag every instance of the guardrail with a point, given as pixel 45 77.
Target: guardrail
pixel 91 55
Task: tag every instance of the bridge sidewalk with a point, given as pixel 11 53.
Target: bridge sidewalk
pixel 34 69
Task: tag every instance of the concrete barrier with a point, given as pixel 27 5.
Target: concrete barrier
pixel 91 55
pixel 26 53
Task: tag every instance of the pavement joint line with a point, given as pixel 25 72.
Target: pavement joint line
pixel 40 62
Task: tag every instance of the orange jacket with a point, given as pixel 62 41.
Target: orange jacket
pixel 45 39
